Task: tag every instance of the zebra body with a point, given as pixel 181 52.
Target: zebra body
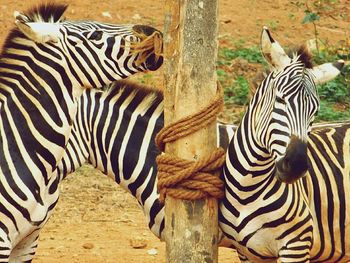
pixel 44 66
pixel 285 187
pixel 128 154
pixel 89 142
pixel 323 203
pixel 114 131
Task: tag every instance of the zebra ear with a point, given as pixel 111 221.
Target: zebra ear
pixel 40 32
pixel 327 71
pixel 272 51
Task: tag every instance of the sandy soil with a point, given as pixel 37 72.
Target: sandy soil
pixel 95 220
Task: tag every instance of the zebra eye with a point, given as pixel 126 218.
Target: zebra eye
pixel 280 100
pixel 96 35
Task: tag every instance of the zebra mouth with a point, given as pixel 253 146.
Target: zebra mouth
pixel 294 163
pixel 150 48
pixel 287 174
pixel 285 177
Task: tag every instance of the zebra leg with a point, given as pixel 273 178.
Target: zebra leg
pixel 25 250
pixel 5 245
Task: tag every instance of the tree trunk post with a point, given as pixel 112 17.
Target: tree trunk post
pixel 190 51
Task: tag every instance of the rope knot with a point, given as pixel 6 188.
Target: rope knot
pixel 185 179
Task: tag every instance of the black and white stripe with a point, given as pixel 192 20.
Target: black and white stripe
pixel 118 154
pixel 115 131
pixel 44 66
pixel 285 188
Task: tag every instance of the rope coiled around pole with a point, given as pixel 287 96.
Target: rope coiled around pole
pixel 186 179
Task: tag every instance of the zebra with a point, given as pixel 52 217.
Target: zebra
pixel 114 131
pixel 284 186
pixel 45 64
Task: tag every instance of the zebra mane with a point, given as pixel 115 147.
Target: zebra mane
pixel 145 93
pixel 299 53
pixel 302 54
pixel 46 12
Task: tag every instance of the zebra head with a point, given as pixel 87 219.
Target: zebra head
pixel 285 105
pixel 96 53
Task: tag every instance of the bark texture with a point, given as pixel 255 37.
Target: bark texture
pixel 190 49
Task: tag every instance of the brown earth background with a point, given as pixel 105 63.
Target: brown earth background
pixel 98 222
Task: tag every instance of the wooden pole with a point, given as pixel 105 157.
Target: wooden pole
pixel 190 50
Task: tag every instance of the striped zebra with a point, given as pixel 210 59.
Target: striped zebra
pixel 284 186
pixel 114 131
pixel 45 64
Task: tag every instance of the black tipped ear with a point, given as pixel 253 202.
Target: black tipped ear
pixel 268 34
pixel 266 45
pixel 272 51
pixel 339 64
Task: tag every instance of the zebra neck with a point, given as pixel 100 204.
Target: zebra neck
pixel 122 146
pixel 248 163
pixel 77 150
pixel 122 127
pixel 39 85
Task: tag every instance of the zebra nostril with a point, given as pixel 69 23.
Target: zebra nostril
pixel 286 164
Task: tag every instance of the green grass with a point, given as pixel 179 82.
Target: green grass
pixel 238 92
pixel 335 91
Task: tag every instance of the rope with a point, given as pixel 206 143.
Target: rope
pixel 185 179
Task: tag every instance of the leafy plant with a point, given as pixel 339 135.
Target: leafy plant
pixel 331 54
pixel 335 91
pixel 238 93
pixel 252 55
pixel 328 113
pixel 222 75
pixel 311 17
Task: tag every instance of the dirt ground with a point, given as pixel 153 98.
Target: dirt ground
pixel 95 220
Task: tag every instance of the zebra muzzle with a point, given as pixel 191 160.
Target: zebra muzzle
pixel 150 48
pixel 294 164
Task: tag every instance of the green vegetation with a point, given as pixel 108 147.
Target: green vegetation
pixel 239 65
pixel 327 112
pixel 238 92
pixel 252 55
pixel 334 95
